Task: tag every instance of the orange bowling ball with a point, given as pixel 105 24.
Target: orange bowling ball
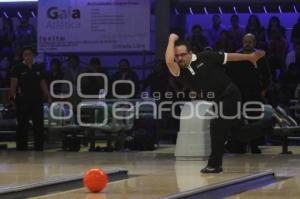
pixel 95 180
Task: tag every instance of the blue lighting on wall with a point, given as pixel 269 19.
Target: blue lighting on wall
pixel 13 1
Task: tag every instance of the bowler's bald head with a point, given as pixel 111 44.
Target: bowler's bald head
pixel 250 36
pixel 249 42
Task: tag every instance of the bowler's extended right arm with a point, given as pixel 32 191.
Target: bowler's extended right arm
pixel 170 56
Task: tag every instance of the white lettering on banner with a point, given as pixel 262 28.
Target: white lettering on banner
pixel 56 13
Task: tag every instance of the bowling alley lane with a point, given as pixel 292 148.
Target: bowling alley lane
pixel 148 187
pixel 155 173
pixel 287 189
pixel 18 168
pixel 151 174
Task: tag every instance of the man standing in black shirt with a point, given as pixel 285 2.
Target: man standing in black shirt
pixel 252 82
pixel 27 87
pixel 204 74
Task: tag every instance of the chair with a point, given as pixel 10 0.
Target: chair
pixel 113 126
pixel 57 124
pixel 295 103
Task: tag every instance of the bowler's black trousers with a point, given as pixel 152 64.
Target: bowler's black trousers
pixel 27 110
pixel 221 127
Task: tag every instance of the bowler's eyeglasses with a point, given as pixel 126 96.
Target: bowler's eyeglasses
pixel 181 55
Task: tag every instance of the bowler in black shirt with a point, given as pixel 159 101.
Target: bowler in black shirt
pixel 203 73
pixel 27 87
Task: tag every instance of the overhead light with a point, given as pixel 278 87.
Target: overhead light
pixel 205 10
pixel 235 11
pixel 191 11
pixel 19 15
pixel 5 14
pixel 176 11
pixel 220 10
pixel 295 9
pixel 250 10
pixel 279 8
pixel 265 9
pixel 33 14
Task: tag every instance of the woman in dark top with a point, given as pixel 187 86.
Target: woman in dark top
pixel 6 37
pixel 254 26
pixel 277 46
pixel 274 25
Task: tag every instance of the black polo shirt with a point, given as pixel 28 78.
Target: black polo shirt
pixel 205 75
pixel 247 77
pixel 29 79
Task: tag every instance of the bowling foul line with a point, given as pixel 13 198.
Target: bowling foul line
pixel 73 190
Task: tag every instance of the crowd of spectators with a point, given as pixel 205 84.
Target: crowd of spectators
pixel 284 65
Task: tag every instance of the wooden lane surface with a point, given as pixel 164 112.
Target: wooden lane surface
pixel 150 168
pixel 147 187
